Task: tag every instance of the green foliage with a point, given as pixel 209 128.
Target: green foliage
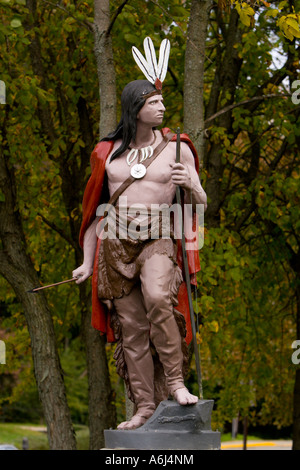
pixel 288 24
pixel 245 342
pixel 246 292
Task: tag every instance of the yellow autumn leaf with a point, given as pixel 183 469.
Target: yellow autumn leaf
pixel 295 33
pixel 288 34
pixel 289 25
pixel 293 23
pixel 247 9
pixel 213 326
pixel 245 19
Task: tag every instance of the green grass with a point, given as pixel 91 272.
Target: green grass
pixel 13 433
pixel 227 437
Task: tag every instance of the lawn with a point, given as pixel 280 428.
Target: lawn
pixel 13 433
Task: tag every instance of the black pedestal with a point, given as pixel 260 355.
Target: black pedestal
pixel 172 426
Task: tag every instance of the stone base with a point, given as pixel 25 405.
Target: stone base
pixel 172 427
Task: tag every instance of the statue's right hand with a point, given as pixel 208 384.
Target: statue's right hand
pixel 82 273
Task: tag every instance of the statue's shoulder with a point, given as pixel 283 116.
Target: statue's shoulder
pixel 103 148
pixel 101 152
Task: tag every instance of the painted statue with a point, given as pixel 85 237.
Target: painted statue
pixel 127 235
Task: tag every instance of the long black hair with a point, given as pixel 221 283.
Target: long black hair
pixel 133 99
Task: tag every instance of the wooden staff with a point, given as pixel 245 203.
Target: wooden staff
pixel 187 278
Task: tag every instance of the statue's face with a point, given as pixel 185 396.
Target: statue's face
pixel 152 113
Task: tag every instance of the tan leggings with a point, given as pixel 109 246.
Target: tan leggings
pixel 147 313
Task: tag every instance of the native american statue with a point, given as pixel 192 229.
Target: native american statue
pixel 128 237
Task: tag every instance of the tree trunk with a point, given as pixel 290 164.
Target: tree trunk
pixel 102 411
pixel 231 65
pixel 105 67
pixel 245 432
pixel 16 266
pixel 194 73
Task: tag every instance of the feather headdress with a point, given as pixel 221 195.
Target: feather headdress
pixel 153 71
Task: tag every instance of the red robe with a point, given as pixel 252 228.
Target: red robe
pixel 93 196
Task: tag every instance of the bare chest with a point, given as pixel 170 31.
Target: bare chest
pixel 156 186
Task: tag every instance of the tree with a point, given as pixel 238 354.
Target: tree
pixel 194 73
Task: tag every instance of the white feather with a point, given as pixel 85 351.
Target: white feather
pixel 150 55
pixel 143 65
pixel 164 53
pixel 149 66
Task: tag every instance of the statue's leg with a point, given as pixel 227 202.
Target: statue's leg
pixel 138 357
pixel 156 277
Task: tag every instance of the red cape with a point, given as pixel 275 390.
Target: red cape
pixel 93 196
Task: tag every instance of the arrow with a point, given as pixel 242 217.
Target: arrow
pixel 35 289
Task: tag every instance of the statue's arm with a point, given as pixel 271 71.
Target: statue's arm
pixel 89 249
